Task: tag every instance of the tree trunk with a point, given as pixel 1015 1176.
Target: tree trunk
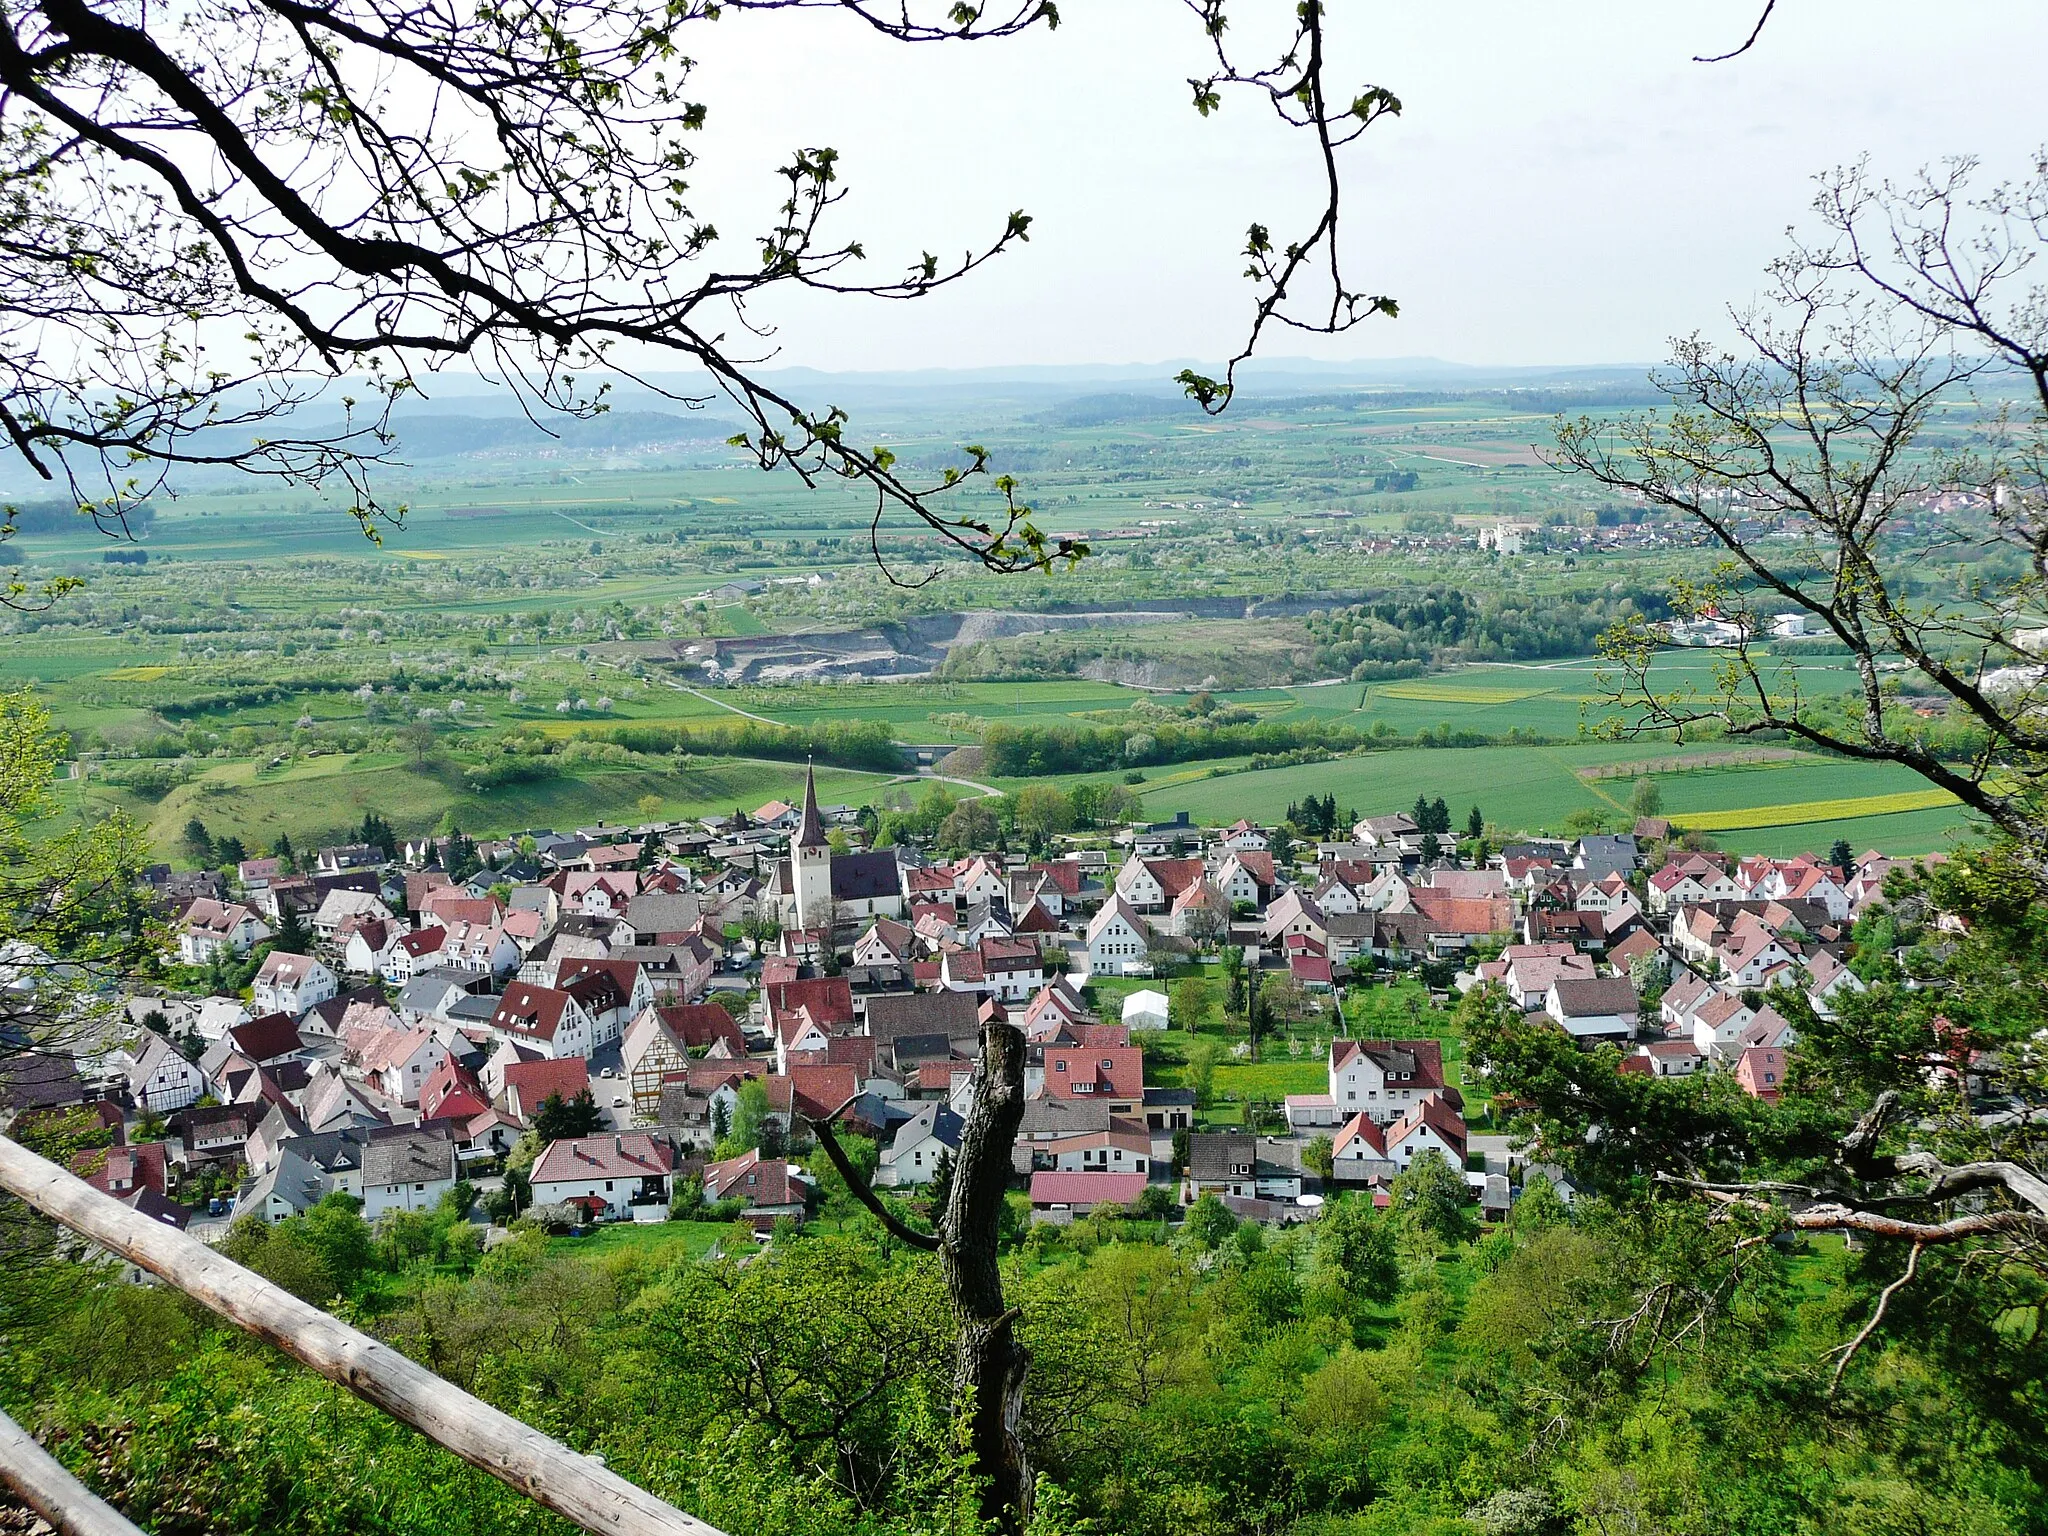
pixel 989 1363
pixel 989 1368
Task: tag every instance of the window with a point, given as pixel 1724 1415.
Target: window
pixel 419 1187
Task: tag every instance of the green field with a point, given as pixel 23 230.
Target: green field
pixel 1534 788
pixel 323 796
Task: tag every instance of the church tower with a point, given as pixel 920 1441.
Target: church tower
pixel 810 862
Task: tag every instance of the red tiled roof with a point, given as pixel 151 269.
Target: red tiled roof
pixel 1086 1188
pixel 528 1084
pixel 633 1155
pixel 1092 1072
pixel 829 998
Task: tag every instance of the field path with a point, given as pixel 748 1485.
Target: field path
pixel 697 693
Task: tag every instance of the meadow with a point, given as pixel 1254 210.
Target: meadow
pixel 1533 788
pixel 319 797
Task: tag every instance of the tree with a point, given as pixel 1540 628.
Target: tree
pixel 75 921
pixel 1431 1196
pixel 1190 1001
pixel 1233 975
pixel 1043 811
pixel 293 936
pixel 750 1115
pixel 1475 824
pixel 969 827
pixel 198 841
pixel 1842 855
pixel 1354 1246
pixel 1204 1052
pixel 1439 817
pixel 334 236
pixel 989 1360
pixel 1647 797
pixel 560 1119
pixel 420 740
pixel 1319 1157
pixel 1909 297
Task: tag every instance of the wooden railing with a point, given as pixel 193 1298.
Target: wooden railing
pixel 579 1488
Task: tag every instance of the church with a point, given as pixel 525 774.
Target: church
pixel 815 887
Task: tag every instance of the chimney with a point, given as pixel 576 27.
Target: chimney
pixel 619 1146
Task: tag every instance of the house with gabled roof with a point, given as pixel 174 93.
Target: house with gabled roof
pixel 773 1189
pixel 1594 1008
pixel 1431 1125
pixel 1382 1078
pixel 1150 885
pixel 526 1084
pixel 1717 1024
pixel 1117 938
pixel 545 1019
pixel 292 984
pixel 160 1080
pixel 1358 1152
pixel 208 926
pixel 407 1168
pixel 1827 977
pixel 1761 1071
pixel 608 1176
pixel 932 1131
pixel 1112 1075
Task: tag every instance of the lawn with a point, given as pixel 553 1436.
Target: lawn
pixel 659 1239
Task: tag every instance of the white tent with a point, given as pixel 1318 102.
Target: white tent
pixel 1145 1010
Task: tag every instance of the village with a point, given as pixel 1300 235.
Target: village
pixel 610 1026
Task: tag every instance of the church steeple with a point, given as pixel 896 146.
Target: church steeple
pixel 810 832
pixel 810 862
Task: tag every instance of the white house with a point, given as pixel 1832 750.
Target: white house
pixel 1243 837
pixel 1146 1009
pixel 367 946
pixel 406 1170
pixel 292 984
pixel 1116 938
pixel 1097 1152
pixel 1717 1025
pixel 1383 1078
pixel 913 1157
pixel 339 905
pixel 614 1173
pixel 210 925
pixel 161 1079
pixel 543 1019
pixel 1432 1126
pixel 1358 1152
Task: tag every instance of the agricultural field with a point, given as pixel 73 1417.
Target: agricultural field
pixel 1780 807
pixel 311 800
pixel 275 658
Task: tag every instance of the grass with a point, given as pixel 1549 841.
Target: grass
pixel 317 797
pixel 663 1239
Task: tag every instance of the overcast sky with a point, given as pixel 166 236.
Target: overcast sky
pixel 1565 185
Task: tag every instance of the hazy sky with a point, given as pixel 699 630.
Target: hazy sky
pixel 1565 185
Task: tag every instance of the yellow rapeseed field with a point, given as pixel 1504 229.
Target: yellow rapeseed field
pixel 1814 810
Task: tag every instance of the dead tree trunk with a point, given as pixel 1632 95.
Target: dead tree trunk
pixel 989 1363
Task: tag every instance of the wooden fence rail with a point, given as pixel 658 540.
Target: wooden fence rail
pixel 42 1483
pixel 577 1487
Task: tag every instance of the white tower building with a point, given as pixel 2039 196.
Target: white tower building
pixel 810 862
